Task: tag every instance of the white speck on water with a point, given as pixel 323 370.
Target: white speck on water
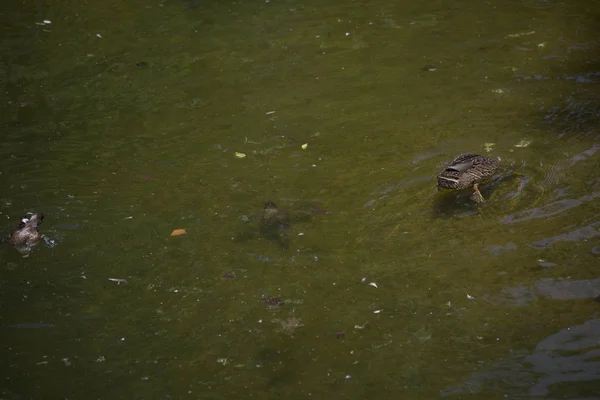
pixel 222 360
pixel 347 33
pixel 99 35
pixel 373 284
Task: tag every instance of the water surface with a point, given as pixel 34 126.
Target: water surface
pixel 121 122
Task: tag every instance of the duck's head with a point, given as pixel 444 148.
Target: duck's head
pixel 32 220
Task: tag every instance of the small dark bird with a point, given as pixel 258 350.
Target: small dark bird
pixel 468 170
pixel 27 235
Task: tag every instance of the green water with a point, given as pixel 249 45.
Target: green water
pixel 121 120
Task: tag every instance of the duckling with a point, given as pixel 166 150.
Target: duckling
pixel 27 235
pixel 468 170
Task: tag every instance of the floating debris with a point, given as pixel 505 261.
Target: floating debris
pixel 118 280
pixel 373 284
pixel 272 301
pixel 289 325
pixel 223 361
pixel 177 232
pixel 523 143
pixel 239 155
pixel 516 35
pixel 304 146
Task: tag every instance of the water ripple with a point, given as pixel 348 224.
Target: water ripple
pixel 567 356
pixel 586 232
pixel 555 289
pixel 554 208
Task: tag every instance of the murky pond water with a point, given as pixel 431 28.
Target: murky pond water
pixel 123 121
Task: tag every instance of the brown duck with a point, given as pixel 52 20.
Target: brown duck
pixel 468 170
pixel 27 234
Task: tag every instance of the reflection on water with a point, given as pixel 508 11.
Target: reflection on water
pixel 547 210
pixel 555 289
pixel 583 233
pixel 559 366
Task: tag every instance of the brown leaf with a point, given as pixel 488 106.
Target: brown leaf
pixel 177 232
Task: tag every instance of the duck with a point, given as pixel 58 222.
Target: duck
pixel 27 234
pixel 468 170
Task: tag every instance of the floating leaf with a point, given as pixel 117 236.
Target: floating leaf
pixel 177 232
pixel 240 155
pixel 304 146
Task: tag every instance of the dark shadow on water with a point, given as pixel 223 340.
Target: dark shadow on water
pixel 449 204
pixel 276 226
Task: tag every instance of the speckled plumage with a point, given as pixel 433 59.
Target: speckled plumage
pixel 27 235
pixel 467 170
